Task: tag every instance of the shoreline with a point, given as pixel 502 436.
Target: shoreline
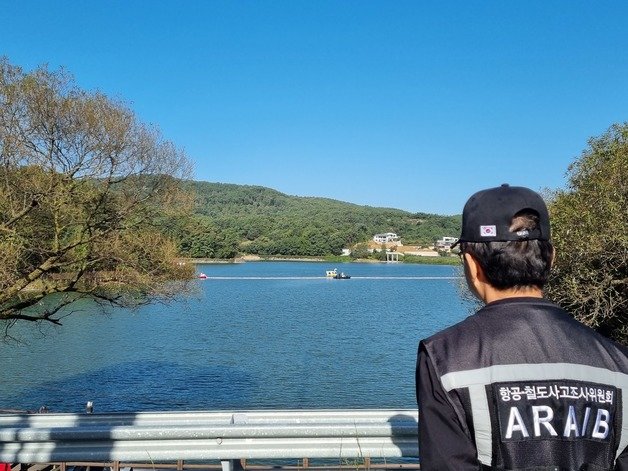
pixel 452 261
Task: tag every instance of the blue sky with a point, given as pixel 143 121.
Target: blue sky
pixel 406 104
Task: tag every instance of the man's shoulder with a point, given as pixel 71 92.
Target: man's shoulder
pixel 453 331
pixel 490 316
pixel 454 341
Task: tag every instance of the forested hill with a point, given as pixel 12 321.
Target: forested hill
pixel 231 219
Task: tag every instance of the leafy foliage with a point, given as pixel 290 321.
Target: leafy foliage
pixel 590 232
pixel 252 219
pixel 81 183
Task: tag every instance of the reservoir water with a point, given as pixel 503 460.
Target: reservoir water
pixel 250 336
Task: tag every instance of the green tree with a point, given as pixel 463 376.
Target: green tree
pixel 360 251
pixel 590 232
pixel 81 183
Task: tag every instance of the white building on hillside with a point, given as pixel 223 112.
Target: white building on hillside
pixel 387 237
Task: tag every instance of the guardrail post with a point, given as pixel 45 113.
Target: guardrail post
pixel 234 465
pixel 231 465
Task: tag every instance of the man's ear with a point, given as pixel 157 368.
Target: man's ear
pixel 475 269
pixel 476 279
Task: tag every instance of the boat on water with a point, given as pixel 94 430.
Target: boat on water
pixel 202 276
pixel 335 275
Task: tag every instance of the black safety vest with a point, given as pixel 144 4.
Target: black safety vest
pixel 534 388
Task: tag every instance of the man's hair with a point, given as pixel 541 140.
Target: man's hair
pixel 514 264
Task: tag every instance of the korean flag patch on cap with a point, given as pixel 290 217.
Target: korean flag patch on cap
pixel 488 231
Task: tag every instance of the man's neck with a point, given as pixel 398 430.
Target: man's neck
pixel 493 294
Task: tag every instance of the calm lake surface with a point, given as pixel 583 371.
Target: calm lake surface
pixel 253 335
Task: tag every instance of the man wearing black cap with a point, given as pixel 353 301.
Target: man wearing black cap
pixel 519 385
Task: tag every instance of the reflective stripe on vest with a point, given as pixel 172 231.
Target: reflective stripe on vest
pixel 476 380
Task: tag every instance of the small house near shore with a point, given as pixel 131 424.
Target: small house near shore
pixel 445 243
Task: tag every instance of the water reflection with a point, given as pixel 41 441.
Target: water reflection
pixel 135 386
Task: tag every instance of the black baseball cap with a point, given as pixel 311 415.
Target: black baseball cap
pixel 488 214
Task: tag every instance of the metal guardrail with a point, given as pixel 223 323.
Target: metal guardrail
pixel 206 435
